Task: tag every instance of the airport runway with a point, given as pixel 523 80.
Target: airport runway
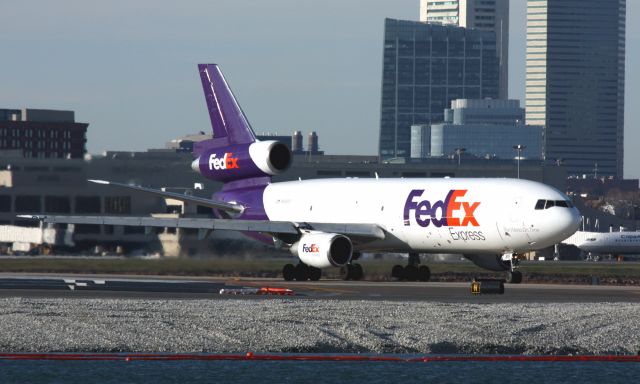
pixel 149 287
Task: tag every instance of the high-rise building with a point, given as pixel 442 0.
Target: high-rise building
pixel 575 82
pixel 425 66
pixel 486 15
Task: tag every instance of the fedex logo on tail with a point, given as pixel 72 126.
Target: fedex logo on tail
pixel 451 212
pixel 222 163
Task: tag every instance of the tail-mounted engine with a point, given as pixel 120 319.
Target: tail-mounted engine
pixel 234 162
pixel 323 250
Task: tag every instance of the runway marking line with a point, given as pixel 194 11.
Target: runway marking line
pixel 328 358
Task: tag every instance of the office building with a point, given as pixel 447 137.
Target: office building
pixel 425 66
pixel 486 15
pixel 42 133
pixel 485 129
pixel 575 82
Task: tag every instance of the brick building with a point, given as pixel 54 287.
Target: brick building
pixel 42 133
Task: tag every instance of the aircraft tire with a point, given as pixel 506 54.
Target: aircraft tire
pixel 397 272
pixel 424 273
pixel 314 273
pixel 357 272
pixel 514 277
pixel 345 272
pixel 289 272
pixel 302 272
pixel 411 273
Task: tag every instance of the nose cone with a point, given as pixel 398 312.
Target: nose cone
pixel 557 224
pixel 195 165
pixel 569 222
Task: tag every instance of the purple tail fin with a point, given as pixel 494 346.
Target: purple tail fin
pixel 233 154
pixel 230 125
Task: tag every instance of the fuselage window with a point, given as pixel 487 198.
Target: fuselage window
pixel 562 203
pixel 540 204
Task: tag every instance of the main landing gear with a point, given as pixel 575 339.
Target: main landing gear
pixel 351 271
pixel 413 271
pixel 513 275
pixel 301 272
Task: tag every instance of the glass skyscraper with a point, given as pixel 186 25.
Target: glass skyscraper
pixel 425 66
pixel 575 82
pixel 487 15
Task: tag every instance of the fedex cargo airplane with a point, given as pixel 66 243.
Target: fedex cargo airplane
pixel 330 222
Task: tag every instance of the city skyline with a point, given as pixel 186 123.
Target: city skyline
pixel 130 72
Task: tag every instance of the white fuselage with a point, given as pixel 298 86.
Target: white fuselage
pixel 432 215
pixel 606 242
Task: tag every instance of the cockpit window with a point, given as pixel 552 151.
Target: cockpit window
pixel 546 204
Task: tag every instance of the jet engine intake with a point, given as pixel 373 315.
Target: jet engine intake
pixel 271 157
pixel 323 250
pixel 243 161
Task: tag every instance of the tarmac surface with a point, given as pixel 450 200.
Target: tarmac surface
pixel 149 287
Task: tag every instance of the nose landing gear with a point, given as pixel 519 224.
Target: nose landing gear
pixel 513 275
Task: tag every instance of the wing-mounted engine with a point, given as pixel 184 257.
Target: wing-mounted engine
pixel 323 250
pixel 490 262
pixel 242 161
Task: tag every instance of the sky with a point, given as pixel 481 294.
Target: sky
pixel 128 67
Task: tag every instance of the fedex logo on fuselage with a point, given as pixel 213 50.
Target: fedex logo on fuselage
pixel 451 211
pixel 312 248
pixel 225 162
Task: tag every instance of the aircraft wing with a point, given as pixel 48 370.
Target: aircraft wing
pixel 230 207
pixel 359 232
